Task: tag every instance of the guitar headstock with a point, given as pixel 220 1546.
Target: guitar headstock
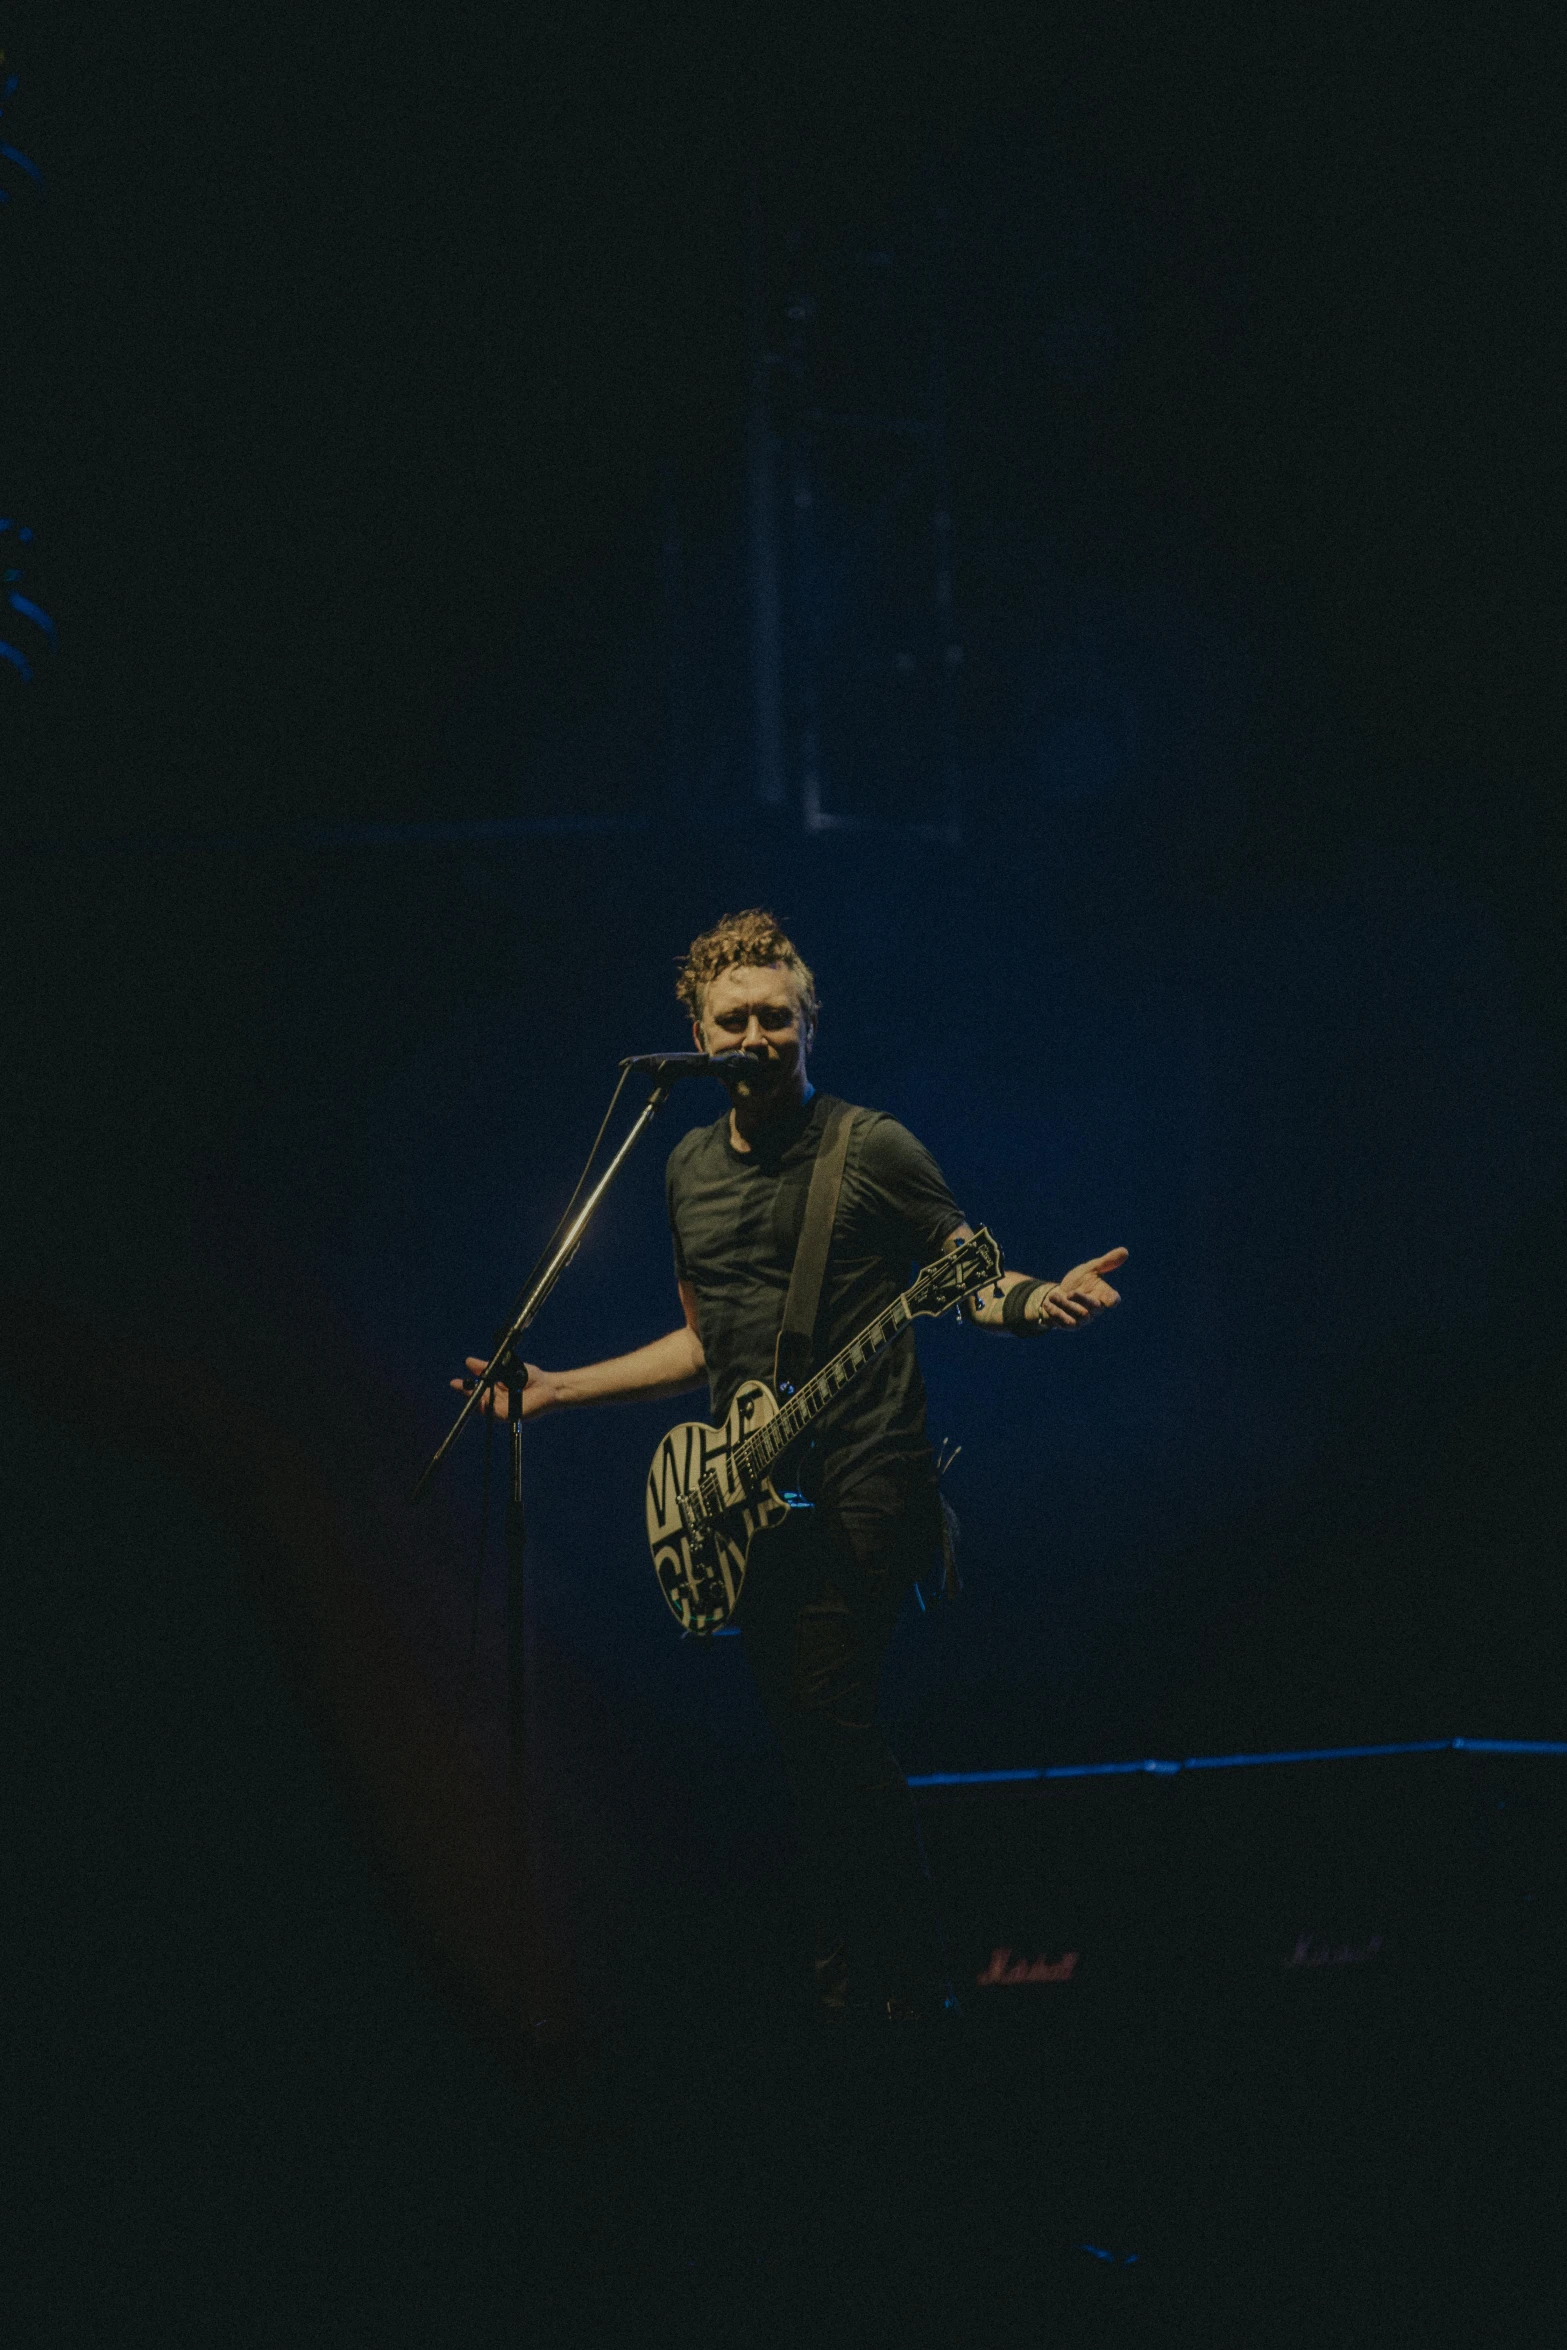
pixel 956 1274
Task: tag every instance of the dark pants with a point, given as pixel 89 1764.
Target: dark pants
pixel 821 1598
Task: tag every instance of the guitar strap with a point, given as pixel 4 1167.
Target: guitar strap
pixel 792 1360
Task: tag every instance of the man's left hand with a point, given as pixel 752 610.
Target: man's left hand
pixel 1079 1295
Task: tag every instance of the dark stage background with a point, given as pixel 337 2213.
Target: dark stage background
pixel 1058 510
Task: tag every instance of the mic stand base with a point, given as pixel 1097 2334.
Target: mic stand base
pixel 539 2015
pixel 539 2029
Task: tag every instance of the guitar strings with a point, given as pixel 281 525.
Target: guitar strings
pixel 758 1452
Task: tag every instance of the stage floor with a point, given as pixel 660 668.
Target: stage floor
pixel 350 2165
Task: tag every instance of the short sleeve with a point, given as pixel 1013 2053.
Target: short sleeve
pixel 909 1187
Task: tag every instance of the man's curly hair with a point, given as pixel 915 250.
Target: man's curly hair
pixel 752 939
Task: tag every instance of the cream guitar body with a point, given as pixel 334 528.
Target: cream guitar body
pixel 701 1566
pixel 710 1491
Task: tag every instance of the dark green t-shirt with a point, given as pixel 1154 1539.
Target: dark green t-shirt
pixel 736 1217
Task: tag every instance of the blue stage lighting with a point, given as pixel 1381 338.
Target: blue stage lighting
pixel 19 174
pixel 20 647
pixel 1233 1762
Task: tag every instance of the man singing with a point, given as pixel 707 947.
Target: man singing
pixel 824 1588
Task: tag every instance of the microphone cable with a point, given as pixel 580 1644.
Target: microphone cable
pixel 566 1212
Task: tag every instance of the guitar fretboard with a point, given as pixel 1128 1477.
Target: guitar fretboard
pixel 756 1455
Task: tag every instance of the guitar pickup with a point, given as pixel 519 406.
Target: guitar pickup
pixel 700 1506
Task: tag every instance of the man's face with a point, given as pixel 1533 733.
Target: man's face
pixel 757 1010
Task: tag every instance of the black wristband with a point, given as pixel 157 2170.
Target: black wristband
pixel 1015 1305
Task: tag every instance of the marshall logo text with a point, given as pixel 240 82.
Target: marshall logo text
pixel 1003 1968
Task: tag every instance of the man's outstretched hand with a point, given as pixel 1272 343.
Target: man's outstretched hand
pixel 1078 1296
pixel 537 1396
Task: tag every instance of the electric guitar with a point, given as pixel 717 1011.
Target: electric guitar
pixel 710 1490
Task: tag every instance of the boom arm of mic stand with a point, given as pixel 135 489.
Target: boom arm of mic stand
pixel 539 1288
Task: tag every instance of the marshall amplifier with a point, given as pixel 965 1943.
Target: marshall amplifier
pixel 1252 1878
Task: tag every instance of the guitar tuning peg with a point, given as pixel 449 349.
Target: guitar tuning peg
pixel 997 1291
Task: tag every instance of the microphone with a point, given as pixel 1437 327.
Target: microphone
pixel 666 1067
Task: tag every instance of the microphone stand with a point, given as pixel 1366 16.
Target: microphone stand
pixel 506 1367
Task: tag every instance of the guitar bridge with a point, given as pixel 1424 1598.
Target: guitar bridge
pixel 700 1507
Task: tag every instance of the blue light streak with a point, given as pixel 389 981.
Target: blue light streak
pixel 1511 1745
pixel 1109 1770
pixel 32 612
pixel 23 163
pixel 1239 1762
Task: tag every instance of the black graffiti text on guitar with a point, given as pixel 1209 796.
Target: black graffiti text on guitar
pixel 710 1491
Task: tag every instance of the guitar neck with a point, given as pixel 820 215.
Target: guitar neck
pixel 757 1454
